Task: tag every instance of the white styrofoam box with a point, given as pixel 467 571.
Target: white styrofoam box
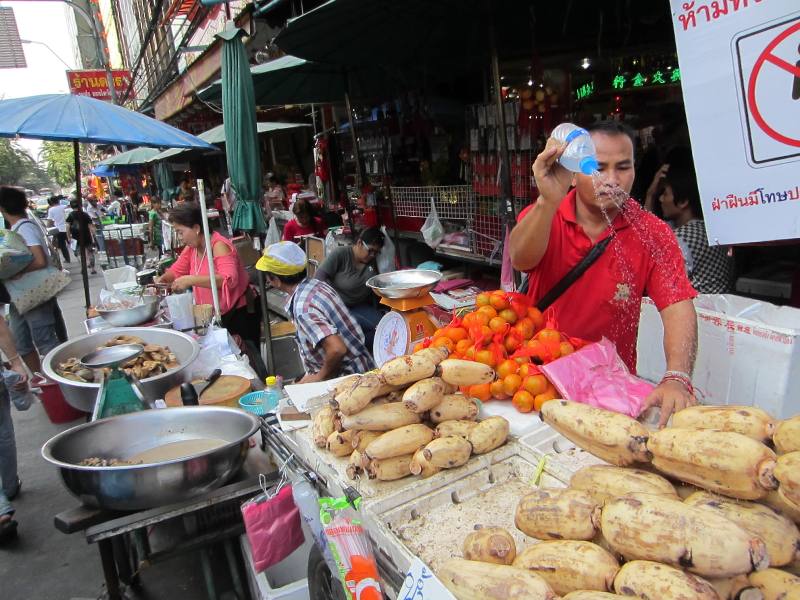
pixel 519 424
pixel 748 352
pixel 562 458
pixel 283 581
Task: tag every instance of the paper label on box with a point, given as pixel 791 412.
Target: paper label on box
pixel 421 584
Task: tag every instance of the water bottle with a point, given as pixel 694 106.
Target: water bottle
pixel 272 393
pixel 579 155
pixel 307 501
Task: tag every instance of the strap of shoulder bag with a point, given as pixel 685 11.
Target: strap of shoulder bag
pixel 572 276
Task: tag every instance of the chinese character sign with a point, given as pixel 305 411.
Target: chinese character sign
pixel 740 77
pixel 94 83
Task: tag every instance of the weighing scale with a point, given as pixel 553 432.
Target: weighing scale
pixel 407 294
pixel 119 393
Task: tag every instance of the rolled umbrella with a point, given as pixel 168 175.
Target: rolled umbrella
pixel 241 133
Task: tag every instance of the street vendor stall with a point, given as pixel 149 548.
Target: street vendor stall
pixel 453 491
pixel 548 507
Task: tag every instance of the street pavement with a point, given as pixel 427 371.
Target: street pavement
pixel 43 563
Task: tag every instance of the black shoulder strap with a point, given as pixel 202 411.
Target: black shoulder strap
pixel 559 288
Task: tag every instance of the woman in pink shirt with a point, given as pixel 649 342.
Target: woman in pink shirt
pixel 191 271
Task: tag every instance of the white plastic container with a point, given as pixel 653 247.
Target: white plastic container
pixel 284 581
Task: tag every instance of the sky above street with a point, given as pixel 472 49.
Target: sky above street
pixel 39 22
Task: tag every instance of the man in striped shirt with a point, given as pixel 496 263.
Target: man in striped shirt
pixel 330 339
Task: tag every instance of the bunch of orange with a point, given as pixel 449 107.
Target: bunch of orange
pixel 507 334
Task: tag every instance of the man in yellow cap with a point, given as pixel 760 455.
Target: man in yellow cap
pixel 330 339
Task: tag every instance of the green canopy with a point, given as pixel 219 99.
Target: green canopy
pixel 239 120
pixel 216 135
pixel 137 156
pixel 292 80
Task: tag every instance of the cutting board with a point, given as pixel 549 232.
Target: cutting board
pixel 226 391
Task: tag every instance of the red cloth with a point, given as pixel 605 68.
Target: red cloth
pixel 644 260
pixel 293 229
pixel 235 279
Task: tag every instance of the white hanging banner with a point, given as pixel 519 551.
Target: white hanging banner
pixel 740 73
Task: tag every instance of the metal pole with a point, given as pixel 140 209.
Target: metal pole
pixel 84 275
pixel 201 191
pixel 267 355
pixel 354 138
pixel 505 157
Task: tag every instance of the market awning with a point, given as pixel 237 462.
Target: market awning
pixel 390 33
pixel 293 80
pixel 216 135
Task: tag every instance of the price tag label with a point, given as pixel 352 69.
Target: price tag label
pixel 422 584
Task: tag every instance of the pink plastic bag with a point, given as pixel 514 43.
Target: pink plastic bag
pixel 273 527
pixel 596 375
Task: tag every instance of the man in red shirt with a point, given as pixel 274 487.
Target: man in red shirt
pixel 643 259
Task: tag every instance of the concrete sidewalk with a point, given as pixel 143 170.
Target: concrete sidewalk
pixel 43 563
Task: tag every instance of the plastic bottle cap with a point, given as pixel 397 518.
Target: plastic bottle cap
pixel 271 380
pixel 589 165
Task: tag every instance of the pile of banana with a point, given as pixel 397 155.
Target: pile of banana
pixel 407 418
pixel 703 510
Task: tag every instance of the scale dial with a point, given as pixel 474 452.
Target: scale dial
pixel 391 338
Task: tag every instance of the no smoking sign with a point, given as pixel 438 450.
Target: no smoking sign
pixel 769 80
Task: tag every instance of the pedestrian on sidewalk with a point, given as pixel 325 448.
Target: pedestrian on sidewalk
pixel 9 478
pixel 154 218
pixel 81 229
pixel 92 208
pixel 58 214
pixel 35 332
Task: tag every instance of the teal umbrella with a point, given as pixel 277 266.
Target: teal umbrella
pixel 164 181
pixel 241 133
pixel 216 135
pixel 137 156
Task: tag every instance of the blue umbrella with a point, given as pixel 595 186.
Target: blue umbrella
pixel 105 171
pixel 68 118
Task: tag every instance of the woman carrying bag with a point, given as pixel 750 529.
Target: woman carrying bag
pixel 34 326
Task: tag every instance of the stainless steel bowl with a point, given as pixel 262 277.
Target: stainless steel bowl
pixel 128 317
pixel 83 395
pixel 411 283
pixel 137 487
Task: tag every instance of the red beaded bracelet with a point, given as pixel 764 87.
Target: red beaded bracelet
pixel 687 383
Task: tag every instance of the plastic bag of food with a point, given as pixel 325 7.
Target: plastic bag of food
pixel 273 234
pixel 386 259
pixel 432 229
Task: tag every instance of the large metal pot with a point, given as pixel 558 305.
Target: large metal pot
pixel 138 487
pixel 83 395
pixel 135 315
